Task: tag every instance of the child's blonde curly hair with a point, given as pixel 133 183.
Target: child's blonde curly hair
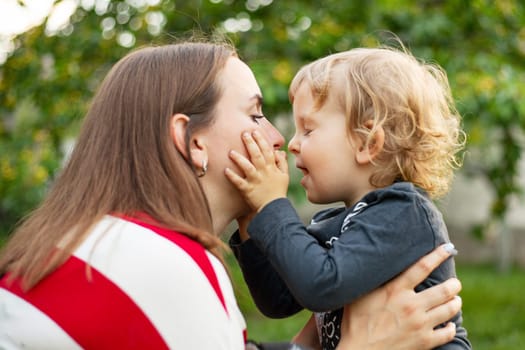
pixel 411 100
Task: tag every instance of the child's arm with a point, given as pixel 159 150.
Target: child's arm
pixel 269 292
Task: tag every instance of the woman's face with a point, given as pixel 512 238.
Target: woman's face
pixel 239 109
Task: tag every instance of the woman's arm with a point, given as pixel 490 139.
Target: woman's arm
pixel 394 316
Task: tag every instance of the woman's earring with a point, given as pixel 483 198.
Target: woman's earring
pixel 204 168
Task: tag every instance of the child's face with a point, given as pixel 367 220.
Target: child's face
pixel 324 153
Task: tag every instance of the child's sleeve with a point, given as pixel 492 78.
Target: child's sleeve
pixel 379 243
pixel 269 292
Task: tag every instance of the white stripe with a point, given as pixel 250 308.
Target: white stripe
pixel 40 332
pixel 167 284
pixel 236 316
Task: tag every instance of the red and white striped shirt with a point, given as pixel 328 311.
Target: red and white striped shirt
pixel 146 288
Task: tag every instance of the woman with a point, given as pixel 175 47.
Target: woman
pixel 124 252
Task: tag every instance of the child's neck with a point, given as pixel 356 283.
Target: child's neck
pixel 358 195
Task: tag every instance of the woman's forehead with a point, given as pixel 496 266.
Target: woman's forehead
pixel 238 80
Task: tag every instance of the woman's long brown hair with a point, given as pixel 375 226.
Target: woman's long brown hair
pixel 125 161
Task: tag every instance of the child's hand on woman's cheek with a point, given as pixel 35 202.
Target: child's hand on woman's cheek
pixel 265 172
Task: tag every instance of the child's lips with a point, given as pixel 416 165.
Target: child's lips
pixel 304 171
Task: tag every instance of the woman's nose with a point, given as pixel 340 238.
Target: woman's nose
pixel 275 138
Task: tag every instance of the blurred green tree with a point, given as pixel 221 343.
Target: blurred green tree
pixel 48 78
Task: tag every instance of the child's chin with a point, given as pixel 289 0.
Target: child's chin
pixel 313 199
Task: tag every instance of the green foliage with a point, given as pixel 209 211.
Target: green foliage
pixel 26 157
pixel 49 79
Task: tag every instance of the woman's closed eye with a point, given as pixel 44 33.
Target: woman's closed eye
pixel 256 117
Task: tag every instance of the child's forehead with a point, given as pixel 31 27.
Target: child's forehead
pixel 334 90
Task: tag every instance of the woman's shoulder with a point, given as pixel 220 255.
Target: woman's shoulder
pixel 179 285
pixel 132 250
pixel 128 283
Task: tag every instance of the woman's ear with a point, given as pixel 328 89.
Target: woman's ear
pixel 178 130
pixel 199 155
pixel 178 126
pixel 366 152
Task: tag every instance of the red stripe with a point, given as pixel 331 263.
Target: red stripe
pixel 95 312
pixel 194 249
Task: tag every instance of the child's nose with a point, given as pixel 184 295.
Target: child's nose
pixel 293 145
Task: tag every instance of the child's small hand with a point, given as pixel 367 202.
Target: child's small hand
pixel 242 223
pixel 266 172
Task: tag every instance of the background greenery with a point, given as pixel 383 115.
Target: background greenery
pixel 50 74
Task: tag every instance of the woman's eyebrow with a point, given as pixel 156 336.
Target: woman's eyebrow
pixel 258 100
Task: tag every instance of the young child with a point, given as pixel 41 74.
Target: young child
pixel 377 130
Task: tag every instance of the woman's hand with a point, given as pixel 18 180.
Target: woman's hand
pixel 308 337
pixel 394 316
pixel 265 172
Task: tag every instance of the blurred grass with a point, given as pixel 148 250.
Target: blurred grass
pixel 493 309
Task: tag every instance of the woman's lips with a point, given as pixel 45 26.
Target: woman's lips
pixel 303 169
